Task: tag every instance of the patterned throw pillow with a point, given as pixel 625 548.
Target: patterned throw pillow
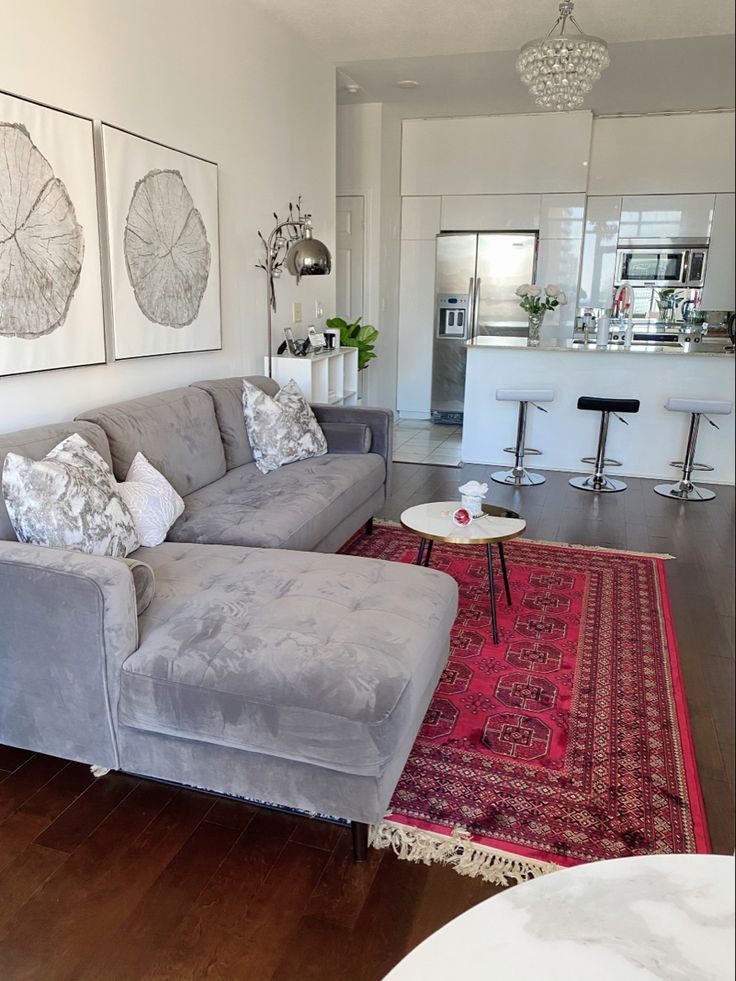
pixel 281 429
pixel 151 500
pixel 68 500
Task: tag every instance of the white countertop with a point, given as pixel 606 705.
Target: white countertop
pixel 704 349
pixel 631 919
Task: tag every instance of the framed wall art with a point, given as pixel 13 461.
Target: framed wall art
pixel 163 234
pixel 51 311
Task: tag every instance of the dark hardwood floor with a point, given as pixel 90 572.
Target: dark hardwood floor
pixel 121 878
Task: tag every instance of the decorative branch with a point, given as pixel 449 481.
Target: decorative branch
pixel 280 246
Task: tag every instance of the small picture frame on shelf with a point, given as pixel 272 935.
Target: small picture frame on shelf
pixel 318 341
pixel 289 338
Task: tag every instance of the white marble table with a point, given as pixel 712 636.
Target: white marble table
pixel 633 919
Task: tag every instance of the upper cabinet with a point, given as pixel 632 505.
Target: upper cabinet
pixel 684 153
pixel 718 292
pixel 562 216
pixel 526 154
pixel 599 252
pixel 656 216
pixel 491 212
pixel 420 218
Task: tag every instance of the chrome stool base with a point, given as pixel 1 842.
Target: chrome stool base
pixel 604 486
pixel 684 491
pixel 513 479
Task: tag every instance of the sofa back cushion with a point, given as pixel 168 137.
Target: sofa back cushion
pixel 36 443
pixel 176 431
pixel 227 394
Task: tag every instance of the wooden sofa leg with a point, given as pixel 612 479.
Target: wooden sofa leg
pixel 360 841
pixel 369 526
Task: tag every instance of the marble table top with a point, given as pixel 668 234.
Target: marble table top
pixel 435 521
pixel 633 919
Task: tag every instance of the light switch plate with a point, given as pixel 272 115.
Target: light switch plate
pixel 296 313
pixel 319 310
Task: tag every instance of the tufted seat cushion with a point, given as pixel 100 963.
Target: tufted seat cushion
pixel 293 507
pixel 318 658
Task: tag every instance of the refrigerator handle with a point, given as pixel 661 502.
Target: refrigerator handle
pixel 469 314
pixel 476 310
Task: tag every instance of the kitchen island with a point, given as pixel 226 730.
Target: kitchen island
pixel 647 372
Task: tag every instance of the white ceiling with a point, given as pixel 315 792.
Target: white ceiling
pixel 644 76
pixel 353 30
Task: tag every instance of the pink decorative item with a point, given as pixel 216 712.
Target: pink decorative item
pixel 462 517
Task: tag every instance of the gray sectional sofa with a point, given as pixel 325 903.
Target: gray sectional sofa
pixel 263 666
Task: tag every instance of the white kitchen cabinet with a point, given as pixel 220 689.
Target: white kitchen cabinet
pixel 562 216
pixel 416 325
pixel 559 262
pixel 718 291
pixel 598 266
pixel 490 212
pixel 329 378
pixel 649 217
pixel 509 154
pixel 420 217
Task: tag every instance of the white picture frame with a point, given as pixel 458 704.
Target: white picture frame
pixel 162 226
pixel 51 303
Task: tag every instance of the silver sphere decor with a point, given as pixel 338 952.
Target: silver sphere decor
pixel 560 69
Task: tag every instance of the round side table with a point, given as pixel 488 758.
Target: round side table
pixel 433 523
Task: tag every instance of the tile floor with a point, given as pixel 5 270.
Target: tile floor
pixel 423 441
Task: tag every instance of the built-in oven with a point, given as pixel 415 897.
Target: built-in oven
pixel 677 266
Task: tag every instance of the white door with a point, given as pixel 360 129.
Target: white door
pixel 349 257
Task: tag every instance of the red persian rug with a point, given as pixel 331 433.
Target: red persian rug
pixel 568 741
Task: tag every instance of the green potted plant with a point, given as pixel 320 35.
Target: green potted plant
pixel 355 334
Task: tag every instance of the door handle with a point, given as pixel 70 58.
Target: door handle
pixel 476 308
pixel 471 308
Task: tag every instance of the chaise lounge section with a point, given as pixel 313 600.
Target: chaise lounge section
pixel 288 677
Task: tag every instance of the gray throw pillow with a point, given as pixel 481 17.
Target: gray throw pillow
pixel 281 429
pixel 68 500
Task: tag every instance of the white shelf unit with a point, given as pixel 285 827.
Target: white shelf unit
pixel 331 377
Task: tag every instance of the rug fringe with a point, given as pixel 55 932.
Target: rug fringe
pixel 586 548
pixel 466 857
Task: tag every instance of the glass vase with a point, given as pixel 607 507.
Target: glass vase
pixel 535 322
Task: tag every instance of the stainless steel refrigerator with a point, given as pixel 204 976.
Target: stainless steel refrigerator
pixel 477 275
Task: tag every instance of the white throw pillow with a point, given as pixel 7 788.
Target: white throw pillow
pixel 151 500
pixel 68 500
pixel 282 429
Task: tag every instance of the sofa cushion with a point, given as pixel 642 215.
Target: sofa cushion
pixel 282 429
pixel 293 507
pixel 227 395
pixel 319 658
pixel 176 431
pixel 36 443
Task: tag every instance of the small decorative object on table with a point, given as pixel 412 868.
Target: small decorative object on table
pixel 462 517
pixel 536 307
pixel 472 497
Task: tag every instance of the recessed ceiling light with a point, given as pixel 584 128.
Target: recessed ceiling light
pixel 408 83
pixel 352 88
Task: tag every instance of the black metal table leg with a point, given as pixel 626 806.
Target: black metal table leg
pixel 505 573
pixel 492 591
pixel 420 554
pixel 429 552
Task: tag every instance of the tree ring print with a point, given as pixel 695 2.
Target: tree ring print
pixel 41 241
pixel 167 254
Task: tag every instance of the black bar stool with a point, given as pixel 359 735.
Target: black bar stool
pixel 519 476
pixel 599 481
pixel 685 489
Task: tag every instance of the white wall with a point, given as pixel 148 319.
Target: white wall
pixel 216 78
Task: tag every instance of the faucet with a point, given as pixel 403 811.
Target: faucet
pixel 623 300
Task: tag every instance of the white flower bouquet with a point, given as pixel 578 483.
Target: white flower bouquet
pixel 533 302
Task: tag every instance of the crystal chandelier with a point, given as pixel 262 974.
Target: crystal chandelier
pixel 561 69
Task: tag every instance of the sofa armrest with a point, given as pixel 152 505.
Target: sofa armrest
pixel 347 437
pixel 379 421
pixel 67 623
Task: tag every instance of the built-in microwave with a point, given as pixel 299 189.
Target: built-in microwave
pixel 661 265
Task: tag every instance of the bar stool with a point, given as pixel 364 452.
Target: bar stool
pixel 599 481
pixel 518 476
pixel 685 489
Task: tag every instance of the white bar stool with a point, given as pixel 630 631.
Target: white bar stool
pixel 519 476
pixel 685 489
